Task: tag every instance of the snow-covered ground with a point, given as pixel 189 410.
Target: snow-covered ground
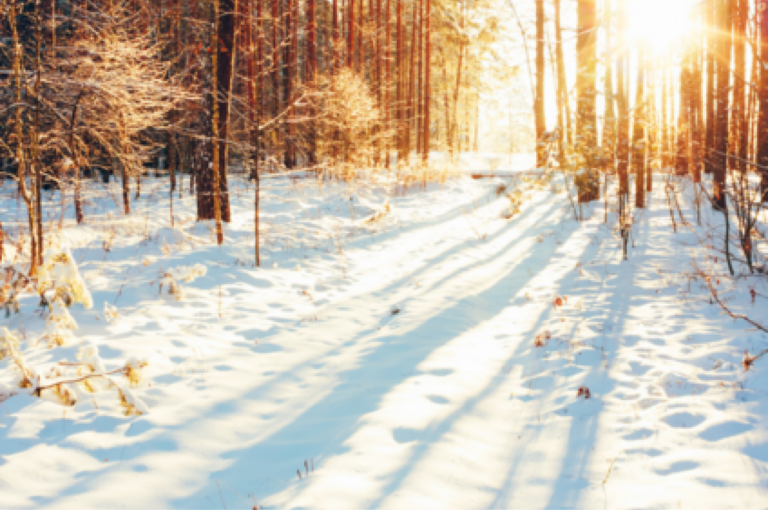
pixel 491 163
pixel 396 357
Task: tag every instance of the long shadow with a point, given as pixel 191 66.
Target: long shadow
pixel 446 425
pixel 583 433
pixel 342 408
pixel 350 402
pixel 458 248
pixel 582 436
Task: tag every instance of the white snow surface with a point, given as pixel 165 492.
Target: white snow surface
pixel 444 404
pixel 491 163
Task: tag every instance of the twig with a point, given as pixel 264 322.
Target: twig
pixel 479 237
pixel 610 468
pixel 221 495
pixel 760 167
pixel 89 376
pixel 725 308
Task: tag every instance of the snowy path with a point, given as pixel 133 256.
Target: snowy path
pixel 447 404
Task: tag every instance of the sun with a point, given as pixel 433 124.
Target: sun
pixel 660 22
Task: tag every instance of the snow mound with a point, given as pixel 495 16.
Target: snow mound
pixel 676 384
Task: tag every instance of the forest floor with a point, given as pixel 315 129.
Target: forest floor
pixel 396 357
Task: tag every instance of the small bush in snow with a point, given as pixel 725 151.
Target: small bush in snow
pixel 189 273
pixel 66 381
pixel 59 324
pixel 170 279
pixel 60 286
pixel 542 339
pixel 58 277
pixel 14 283
pixel 132 404
pixel 90 363
pixel 133 369
pixel 8 343
pixel 110 312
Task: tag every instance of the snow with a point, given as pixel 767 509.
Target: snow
pixel 486 164
pixel 446 403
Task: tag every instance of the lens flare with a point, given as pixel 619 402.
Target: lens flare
pixel 660 23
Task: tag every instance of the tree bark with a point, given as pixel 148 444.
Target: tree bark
pixel 681 160
pixel 738 132
pixel 609 112
pixel 226 62
pixel 762 119
pixel 387 84
pixel 222 55
pixel 719 157
pixel 276 65
pixel 427 84
pixel 639 146
pixel 411 86
pixel 622 145
pixel 255 131
pixel 288 74
pixel 652 133
pixel 400 72
pixel 419 98
pixel 695 102
pixel 586 62
pixel 351 34
pixel 538 102
pixel 562 83
pixel 453 130
pixel 311 75
pixel 215 124
pixel 709 137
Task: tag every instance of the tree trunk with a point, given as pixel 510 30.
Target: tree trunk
pixel 387 84
pixel 288 72
pixel 419 98
pixel 651 131
pixel 379 81
pixel 709 137
pixel 222 63
pixel 622 145
pixel 255 131
pixel 586 48
pixel 639 145
pixel 351 34
pixel 762 119
pixel 476 146
pixel 358 28
pixel 276 65
pixel 454 133
pixel 400 85
pixel 226 63
pixel 37 163
pixel 682 161
pixel 126 189
pixel 538 102
pixel 411 86
pixel 721 128
pixel 427 84
pixel 562 83
pixel 609 113
pixel 695 102
pixel 260 35
pixel 215 49
pixel 311 75
pixel 738 132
